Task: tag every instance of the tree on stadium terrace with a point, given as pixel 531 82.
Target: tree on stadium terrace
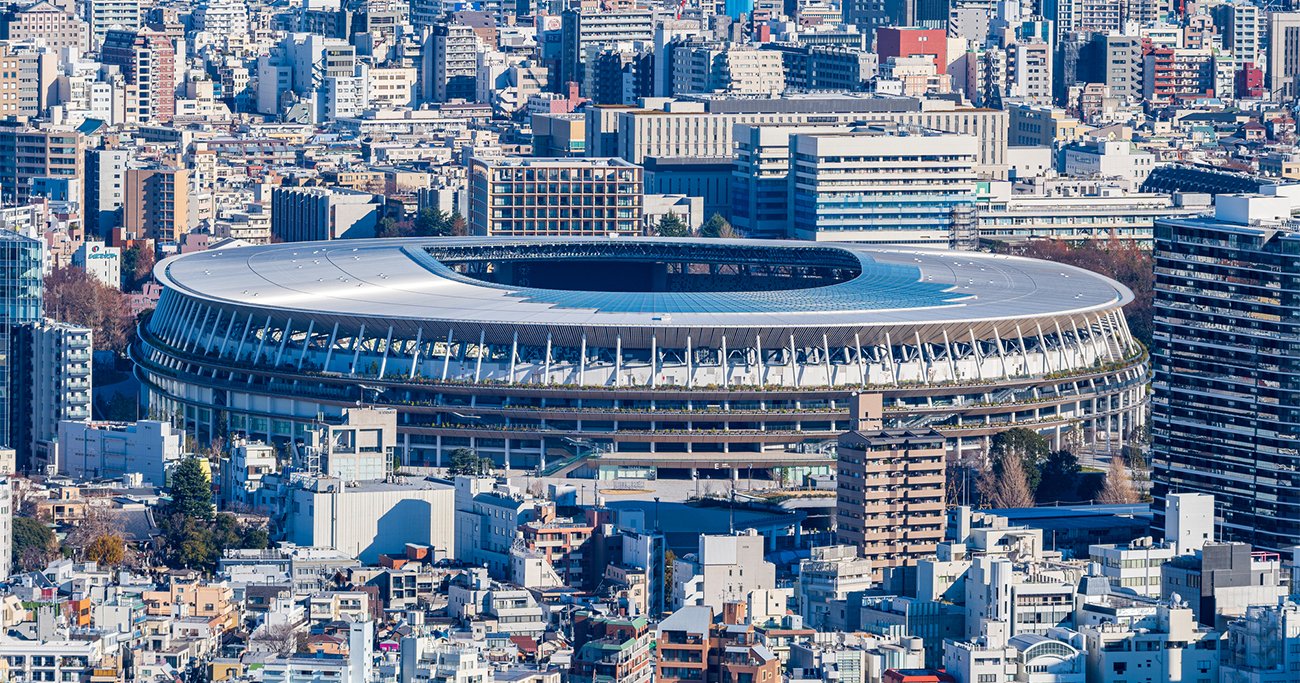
pixel 468 462
pixel 1118 489
pixel 1025 445
pixel 1004 485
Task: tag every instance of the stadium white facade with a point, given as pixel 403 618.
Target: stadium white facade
pixel 624 355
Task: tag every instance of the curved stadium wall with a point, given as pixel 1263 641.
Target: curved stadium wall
pixel 629 353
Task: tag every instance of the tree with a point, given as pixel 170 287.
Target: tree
pixel 671 225
pixel 1006 486
pixel 108 550
pixel 390 228
pixel 459 226
pixel 716 227
pixel 73 296
pixel 137 266
pixel 34 543
pixel 1030 447
pixel 1118 489
pixel 432 223
pixel 1060 477
pixel 190 490
pixel 466 461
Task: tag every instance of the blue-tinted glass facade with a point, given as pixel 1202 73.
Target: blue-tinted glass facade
pixel 21 289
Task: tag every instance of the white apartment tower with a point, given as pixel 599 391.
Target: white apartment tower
pixel 105 14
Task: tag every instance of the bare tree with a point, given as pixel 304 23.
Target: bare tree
pixel 1118 488
pixel 1007 488
pixel 282 639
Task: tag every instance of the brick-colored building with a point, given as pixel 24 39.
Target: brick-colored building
pixel 890 495
pixel 895 41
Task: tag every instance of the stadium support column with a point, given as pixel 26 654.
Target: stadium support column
pixel 582 362
pixel 415 354
pixel 284 340
pixel 862 364
pixel 975 353
pixel 356 349
pixel 446 356
pixel 329 350
pixel 306 341
pixel 1002 356
pixel 383 361
pixel 726 365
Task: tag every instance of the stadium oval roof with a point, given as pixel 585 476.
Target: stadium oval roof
pixel 411 279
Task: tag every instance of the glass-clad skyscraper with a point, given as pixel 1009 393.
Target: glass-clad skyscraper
pixel 1226 356
pixel 21 288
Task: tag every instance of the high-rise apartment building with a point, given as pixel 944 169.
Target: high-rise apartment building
pixel 914 42
pixel 889 501
pixel 157 203
pixel 1284 54
pixel 51 373
pixel 148 61
pixel 555 197
pixel 21 294
pixel 1226 402
pixel 880 183
pixel 450 62
pixel 583 27
pixel 6 528
pixel 105 190
pixel 103 15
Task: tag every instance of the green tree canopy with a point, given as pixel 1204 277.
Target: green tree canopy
pixel 717 226
pixel 1030 447
pixel 190 490
pixel 34 543
pixel 468 462
pixel 671 225
pixel 1060 477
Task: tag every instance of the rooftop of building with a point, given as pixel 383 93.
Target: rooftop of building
pixel 829 286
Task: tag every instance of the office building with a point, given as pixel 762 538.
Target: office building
pixel 51 371
pixel 21 290
pixel 303 214
pixel 724 570
pixel 370 518
pixel 6 528
pixel 883 184
pixel 703 126
pixel 157 203
pixel 899 42
pixel 46 22
pixel 110 450
pixel 1223 405
pixel 889 501
pixel 555 197
pixel 100 261
pixel 28 154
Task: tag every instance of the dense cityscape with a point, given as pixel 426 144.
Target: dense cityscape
pixel 620 341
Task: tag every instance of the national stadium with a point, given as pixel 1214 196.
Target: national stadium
pixel 636 357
